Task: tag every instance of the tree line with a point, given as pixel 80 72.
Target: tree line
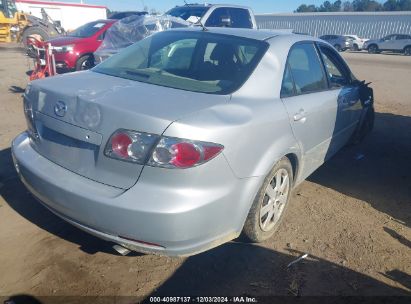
pixel 356 6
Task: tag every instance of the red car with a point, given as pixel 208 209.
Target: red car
pixel 74 51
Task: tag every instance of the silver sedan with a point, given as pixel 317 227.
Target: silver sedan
pixel 190 137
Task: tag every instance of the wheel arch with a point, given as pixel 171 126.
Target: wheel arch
pixel 83 55
pixel 294 160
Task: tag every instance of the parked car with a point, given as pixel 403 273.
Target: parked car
pixel 74 51
pixel 187 138
pixel 213 15
pixel 358 42
pixel 122 15
pixel 128 31
pixel 399 43
pixel 131 30
pixel 340 43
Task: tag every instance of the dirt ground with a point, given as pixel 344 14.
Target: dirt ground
pixel 352 216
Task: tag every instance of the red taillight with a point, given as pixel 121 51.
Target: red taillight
pixel 120 144
pixel 211 151
pixel 186 155
pixel 182 153
pixel 131 146
pixel 166 152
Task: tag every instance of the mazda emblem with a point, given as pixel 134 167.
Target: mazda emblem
pixel 60 108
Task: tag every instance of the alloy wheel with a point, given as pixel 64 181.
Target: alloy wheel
pixel 275 199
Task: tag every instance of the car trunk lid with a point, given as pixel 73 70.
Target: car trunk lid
pixel 75 115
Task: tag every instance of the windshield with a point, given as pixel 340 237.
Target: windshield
pixel 87 30
pixel 186 12
pixel 192 61
pixel 8 7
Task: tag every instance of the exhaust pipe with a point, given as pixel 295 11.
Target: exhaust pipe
pixel 121 250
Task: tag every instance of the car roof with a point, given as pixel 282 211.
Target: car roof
pixel 240 32
pixel 210 5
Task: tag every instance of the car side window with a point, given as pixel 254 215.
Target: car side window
pixel 230 17
pixel 403 37
pixel 287 87
pixel 101 36
pixel 306 69
pixel 335 68
pixel 240 18
pixel 217 17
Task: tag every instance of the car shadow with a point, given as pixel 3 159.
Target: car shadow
pixel 377 171
pixel 18 198
pixel 239 269
pixel 398 237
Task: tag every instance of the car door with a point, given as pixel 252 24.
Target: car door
pixel 345 92
pixel 388 43
pixel 311 106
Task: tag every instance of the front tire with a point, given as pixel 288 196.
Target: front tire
pixel 85 62
pixel 338 47
pixel 270 203
pixel 36 32
pixel 407 51
pixel 355 48
pixel 373 49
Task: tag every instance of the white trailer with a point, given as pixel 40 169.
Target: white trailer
pixel 70 15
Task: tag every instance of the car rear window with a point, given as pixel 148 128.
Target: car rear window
pixel 193 61
pixel 186 12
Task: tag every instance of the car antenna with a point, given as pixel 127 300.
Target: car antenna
pixel 199 20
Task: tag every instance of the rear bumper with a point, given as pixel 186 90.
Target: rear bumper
pixel 168 212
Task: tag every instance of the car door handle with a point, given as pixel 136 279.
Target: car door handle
pixel 300 116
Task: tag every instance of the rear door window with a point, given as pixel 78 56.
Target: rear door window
pixel 287 87
pixel 306 69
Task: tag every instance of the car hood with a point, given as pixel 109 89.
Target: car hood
pixel 65 40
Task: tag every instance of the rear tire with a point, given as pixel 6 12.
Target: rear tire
pixel 36 32
pixel 338 47
pixel 407 51
pixel 85 62
pixel 270 203
pixel 373 49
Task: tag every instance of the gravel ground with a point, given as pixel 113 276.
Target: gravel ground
pixel 352 216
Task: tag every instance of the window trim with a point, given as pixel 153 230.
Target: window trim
pixel 313 43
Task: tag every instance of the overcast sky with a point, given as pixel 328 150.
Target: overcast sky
pixel 259 6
